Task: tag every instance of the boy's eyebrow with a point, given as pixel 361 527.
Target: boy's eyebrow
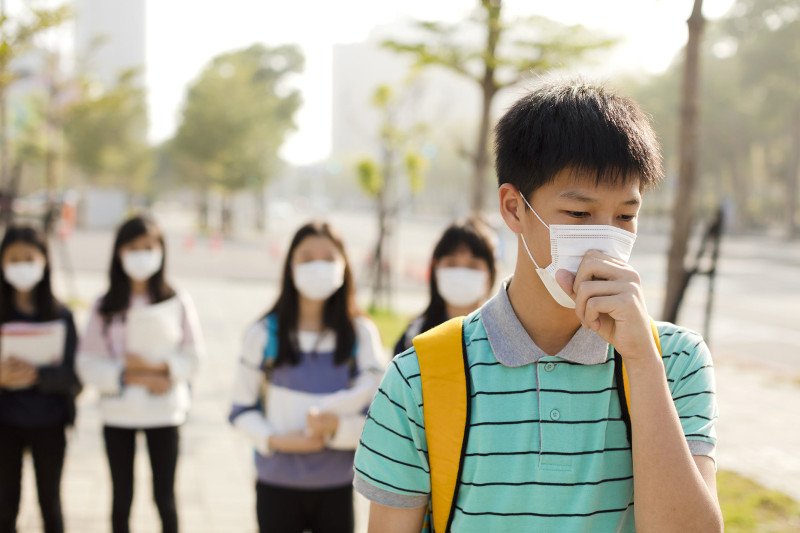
pixel 580 197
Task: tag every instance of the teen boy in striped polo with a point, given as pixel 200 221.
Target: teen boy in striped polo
pixel 547 448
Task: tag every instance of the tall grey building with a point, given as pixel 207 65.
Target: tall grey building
pixel 110 37
pixel 436 97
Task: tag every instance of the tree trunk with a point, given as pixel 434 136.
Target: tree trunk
pixel 4 151
pixel 488 90
pixel 379 256
pixel 11 192
pixel 792 186
pixel 683 208
pixel 4 178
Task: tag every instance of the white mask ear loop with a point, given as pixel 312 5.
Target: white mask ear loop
pixel 534 211
pixel 525 244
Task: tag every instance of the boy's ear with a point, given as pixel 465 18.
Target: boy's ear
pixel 511 207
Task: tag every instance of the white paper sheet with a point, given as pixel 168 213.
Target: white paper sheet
pixel 155 331
pixel 37 343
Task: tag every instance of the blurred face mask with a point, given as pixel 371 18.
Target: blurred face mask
pixel 24 276
pixel 140 265
pixel 569 243
pixel 318 280
pixel 460 286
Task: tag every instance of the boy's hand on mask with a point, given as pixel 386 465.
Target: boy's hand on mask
pixel 609 300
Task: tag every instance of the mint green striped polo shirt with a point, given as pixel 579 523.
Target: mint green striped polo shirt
pixel 547 447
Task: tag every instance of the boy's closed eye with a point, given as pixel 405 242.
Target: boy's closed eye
pixel 578 214
pixel 586 214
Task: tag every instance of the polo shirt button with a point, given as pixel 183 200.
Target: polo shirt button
pixel 549 367
pixel 554 414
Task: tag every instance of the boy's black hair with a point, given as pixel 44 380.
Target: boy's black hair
pixel 578 126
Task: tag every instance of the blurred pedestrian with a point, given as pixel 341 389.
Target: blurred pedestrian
pixel 140 350
pixel 462 274
pixel 38 384
pixel 307 371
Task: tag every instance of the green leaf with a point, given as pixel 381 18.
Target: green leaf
pixel 370 177
pixel 415 166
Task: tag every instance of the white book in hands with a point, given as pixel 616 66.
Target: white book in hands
pixel 36 343
pixel 155 331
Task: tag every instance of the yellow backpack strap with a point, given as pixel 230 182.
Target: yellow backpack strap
pixel 626 387
pixel 445 398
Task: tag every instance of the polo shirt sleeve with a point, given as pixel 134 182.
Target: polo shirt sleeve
pixel 391 462
pixel 690 373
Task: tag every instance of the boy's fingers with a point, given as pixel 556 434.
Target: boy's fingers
pixel 599 305
pixel 593 267
pixel 593 289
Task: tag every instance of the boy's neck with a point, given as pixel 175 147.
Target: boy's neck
pixel 549 325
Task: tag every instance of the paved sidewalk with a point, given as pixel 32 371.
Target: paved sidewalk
pixel 759 429
pixel 759 425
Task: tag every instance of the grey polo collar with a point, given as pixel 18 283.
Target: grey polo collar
pixel 513 347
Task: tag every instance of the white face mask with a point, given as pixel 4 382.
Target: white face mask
pixel 318 280
pixel 24 276
pixel 570 242
pixel 140 265
pixel 461 287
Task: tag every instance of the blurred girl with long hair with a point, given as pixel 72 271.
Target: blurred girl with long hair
pixel 140 350
pixel 461 276
pixel 307 372
pixel 37 396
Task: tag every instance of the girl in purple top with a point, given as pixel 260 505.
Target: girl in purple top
pixel 306 375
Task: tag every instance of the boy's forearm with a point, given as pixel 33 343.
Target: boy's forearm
pixel 383 519
pixel 670 492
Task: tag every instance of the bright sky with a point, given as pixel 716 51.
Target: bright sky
pixel 183 35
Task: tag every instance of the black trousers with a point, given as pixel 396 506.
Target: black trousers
pixel 162 446
pixel 285 510
pixel 47 446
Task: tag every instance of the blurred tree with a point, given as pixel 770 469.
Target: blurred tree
pixel 688 142
pixel 235 119
pixel 378 179
pixel 105 131
pixel 766 37
pixel 18 35
pixel 510 53
pixel 748 127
